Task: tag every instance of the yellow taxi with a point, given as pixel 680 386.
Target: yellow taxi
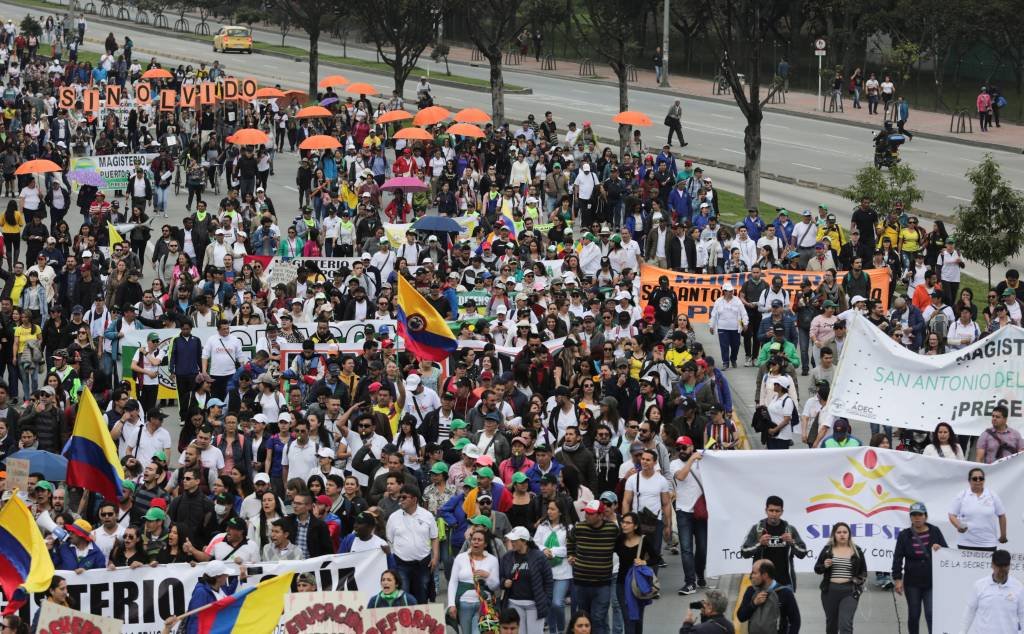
pixel 233 38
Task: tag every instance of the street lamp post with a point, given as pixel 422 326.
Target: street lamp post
pixel 664 45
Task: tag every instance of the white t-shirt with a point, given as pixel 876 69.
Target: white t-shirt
pixel 222 353
pixel 419 405
pixel 980 514
pixel 687 489
pixel 105 541
pixel 300 459
pixel 651 489
pixel 147 444
pixel 410 535
pixel 778 409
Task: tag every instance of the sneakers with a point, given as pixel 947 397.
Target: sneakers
pixel 687 590
pixel 748 362
pixel 702 583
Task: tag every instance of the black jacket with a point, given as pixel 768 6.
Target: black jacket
pixel 789 610
pixel 913 569
pixel 318 539
pixel 860 567
pixel 539 571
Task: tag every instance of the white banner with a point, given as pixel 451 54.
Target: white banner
pixel 869 489
pixel 144 597
pixel 953 575
pixel 57 619
pixel 880 382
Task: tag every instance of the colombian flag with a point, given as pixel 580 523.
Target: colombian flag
pixel 24 560
pixel 255 610
pixel 426 334
pixel 91 453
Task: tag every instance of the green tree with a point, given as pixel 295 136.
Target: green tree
pixel 990 230
pixel 314 17
pixel 742 27
pixel 492 27
pixel 31 26
pixel 609 27
pixel 400 29
pixel 885 187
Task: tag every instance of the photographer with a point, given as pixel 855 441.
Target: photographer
pixel 712 616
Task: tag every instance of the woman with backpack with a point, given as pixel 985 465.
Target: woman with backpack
pixel 782 409
pixel 843 570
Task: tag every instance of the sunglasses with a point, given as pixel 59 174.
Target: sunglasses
pixel 977 478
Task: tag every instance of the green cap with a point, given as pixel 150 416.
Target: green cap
pixel 439 467
pixel 458 423
pixel 43 484
pixel 617 239
pixel 558 165
pixel 590 236
pixel 823 206
pixel 484 472
pixel 153 337
pixel 482 520
pixel 128 484
pixel 470 481
pixel 155 515
pixel 461 443
pixel 518 477
pixel 828 303
pixel 161 456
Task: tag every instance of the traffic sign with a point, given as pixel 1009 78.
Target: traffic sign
pixel 820 53
pixel 819 44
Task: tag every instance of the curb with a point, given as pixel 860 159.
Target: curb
pixel 799 182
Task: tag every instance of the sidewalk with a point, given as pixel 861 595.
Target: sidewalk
pixel 923 123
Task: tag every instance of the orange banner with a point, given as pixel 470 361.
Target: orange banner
pixel 247 88
pixel 167 99
pixel 66 98
pixel 91 100
pixel 113 96
pixel 188 97
pixel 697 292
pixel 229 88
pixel 143 93
pixel 207 93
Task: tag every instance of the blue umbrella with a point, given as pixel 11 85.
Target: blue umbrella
pixel 328 101
pixel 54 467
pixel 437 223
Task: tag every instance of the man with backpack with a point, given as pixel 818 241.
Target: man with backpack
pixel 937 316
pixel 777 540
pixel 768 607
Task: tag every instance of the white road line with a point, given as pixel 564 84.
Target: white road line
pixel 294 189
pixel 810 167
pixel 720 116
pixel 836 136
pixel 725 149
pixel 958 198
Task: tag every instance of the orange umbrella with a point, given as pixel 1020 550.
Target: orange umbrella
pixel 38 166
pixel 332 80
pixel 269 93
pixel 394 115
pixel 430 116
pixel 250 136
pixel 466 129
pixel 632 117
pixel 361 89
pixel 472 115
pixel 312 112
pixel 415 134
pixel 157 73
pixel 320 142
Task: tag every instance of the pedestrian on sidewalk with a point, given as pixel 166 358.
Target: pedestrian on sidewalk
pixel 984 103
pixel 856 82
pixel 783 72
pixel 659 58
pixel 674 123
pixel 538 43
pixel 902 114
pixel 871 88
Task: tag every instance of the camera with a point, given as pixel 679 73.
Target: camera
pixel 696 605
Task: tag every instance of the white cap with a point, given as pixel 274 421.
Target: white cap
pixel 284 417
pixel 220 232
pixel 502 308
pixel 703 205
pixel 324 452
pixel 518 533
pixel 586 167
pixel 364 256
pixel 857 298
pixel 621 295
pixel 366 194
pixel 216 568
pixel 259 418
pixel 657 216
pixel 428 261
pixel 260 477
pixel 412 382
pixel 727 287
pixel 783 380
pixel 531 200
pixel 472 451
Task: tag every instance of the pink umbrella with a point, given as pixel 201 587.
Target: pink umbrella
pixel 405 183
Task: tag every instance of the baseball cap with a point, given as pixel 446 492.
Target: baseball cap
pixel 155 515
pixel 684 441
pixel 323 499
pixel 609 497
pixel 45 485
pixel 518 533
pixel 594 506
pixel 518 477
pixel 461 443
pixel 918 508
pixel 482 520
pixel 261 477
pixel 470 481
pixel 485 472
pixel 439 467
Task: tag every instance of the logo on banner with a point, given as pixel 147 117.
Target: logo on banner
pixel 860 490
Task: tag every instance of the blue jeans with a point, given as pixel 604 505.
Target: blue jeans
pixel 29 376
pixel 556 614
pixel 805 345
pixel 693 546
pixel 729 342
pixel 616 625
pixel 469 616
pixel 917 596
pixel 159 198
pixel 594 600
pixel 415 576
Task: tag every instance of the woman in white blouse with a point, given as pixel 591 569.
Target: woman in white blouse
pixel 550 539
pixel 944 444
pixel 475 565
pixel 978 515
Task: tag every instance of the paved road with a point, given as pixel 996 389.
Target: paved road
pixel 820 151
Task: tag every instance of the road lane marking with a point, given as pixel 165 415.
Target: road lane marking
pixel 810 167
